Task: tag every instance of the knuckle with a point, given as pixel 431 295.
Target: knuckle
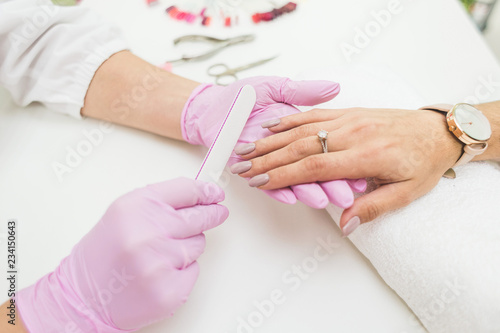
pixel 301 132
pixel 366 126
pixel 369 153
pixel 262 145
pixel 300 148
pixel 386 147
pixel 372 211
pixel 354 113
pixel 262 163
pixel 315 164
pixel 369 125
pixel 315 113
pixel 403 198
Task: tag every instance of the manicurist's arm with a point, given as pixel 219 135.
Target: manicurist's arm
pixel 11 321
pixel 137 265
pixel 49 53
pixel 130 91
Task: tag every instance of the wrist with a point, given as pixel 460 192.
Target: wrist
pixel 188 119
pixel 52 304
pixel 447 148
pixel 492 112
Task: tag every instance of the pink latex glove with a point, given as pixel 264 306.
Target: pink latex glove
pixel 135 267
pixel 208 105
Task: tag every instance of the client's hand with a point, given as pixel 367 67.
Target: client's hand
pixel 136 266
pixel 208 105
pixel 406 152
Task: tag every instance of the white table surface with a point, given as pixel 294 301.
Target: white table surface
pixel 430 43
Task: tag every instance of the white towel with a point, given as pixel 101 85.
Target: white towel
pixel 441 254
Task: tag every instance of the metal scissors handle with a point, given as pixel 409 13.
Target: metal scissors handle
pixel 222 72
pixel 220 44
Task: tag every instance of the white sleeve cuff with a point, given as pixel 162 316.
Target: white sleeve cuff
pixel 49 54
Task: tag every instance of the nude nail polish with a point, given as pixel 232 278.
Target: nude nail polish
pixel 241 167
pixel 271 123
pixel 259 180
pixel 245 149
pixel 351 226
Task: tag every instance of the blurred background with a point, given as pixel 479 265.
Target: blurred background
pixel 485 13
pixel 487 17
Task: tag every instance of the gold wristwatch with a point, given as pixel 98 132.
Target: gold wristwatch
pixel 469 125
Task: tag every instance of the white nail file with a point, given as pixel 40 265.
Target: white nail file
pixel 216 159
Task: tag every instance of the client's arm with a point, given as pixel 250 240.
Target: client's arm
pixel 405 151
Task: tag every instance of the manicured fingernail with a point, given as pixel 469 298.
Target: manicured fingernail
pixel 271 123
pixel 259 180
pixel 241 167
pixel 245 149
pixel 351 226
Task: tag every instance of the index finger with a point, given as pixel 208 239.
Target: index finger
pixel 319 167
pixel 308 117
pixel 277 141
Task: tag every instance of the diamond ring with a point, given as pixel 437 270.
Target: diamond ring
pixel 323 137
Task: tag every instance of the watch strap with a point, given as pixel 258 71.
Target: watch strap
pixel 444 108
pixel 470 150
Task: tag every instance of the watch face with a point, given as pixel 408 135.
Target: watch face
pixel 472 122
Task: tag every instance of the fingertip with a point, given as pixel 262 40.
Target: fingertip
pixel 219 215
pixel 310 93
pixel 224 213
pixel 358 185
pixel 311 195
pixel 345 202
pixel 212 193
pixel 327 90
pixel 339 193
pixel 350 226
pixel 284 195
pixel 271 123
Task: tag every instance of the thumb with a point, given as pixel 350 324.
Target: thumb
pixel 372 205
pixel 308 93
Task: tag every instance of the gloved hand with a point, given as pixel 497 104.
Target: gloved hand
pixel 206 108
pixel 135 267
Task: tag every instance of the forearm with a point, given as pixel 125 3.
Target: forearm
pixel 492 112
pixel 11 324
pixel 129 91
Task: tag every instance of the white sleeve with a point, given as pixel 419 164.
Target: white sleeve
pixel 49 53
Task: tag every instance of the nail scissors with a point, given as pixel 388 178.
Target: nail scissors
pixel 219 45
pixel 225 75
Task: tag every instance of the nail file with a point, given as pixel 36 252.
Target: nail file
pixel 216 159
